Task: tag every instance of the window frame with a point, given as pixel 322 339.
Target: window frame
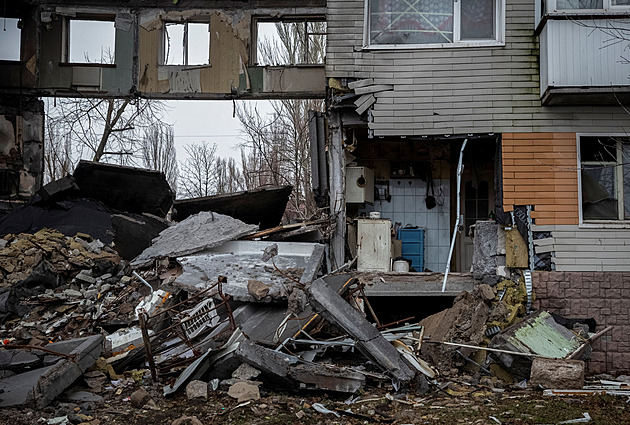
pixel 498 41
pixel 163 43
pixel 65 54
pixel 620 223
pixel 306 19
pixel 607 7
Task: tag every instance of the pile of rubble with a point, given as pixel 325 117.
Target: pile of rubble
pixel 205 308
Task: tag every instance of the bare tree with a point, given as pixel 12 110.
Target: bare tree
pixel 198 172
pixel 158 151
pixel 229 176
pixel 58 158
pixel 105 129
pixel 277 145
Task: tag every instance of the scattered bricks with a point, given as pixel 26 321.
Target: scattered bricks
pixel 557 373
pixel 85 279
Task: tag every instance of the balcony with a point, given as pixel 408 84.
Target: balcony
pixel 584 56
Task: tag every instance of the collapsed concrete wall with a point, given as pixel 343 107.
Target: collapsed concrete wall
pixel 21 148
pixel 604 296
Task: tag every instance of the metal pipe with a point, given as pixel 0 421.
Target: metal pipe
pixel 460 171
pixel 143 281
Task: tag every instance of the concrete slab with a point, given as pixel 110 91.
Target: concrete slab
pixel 391 284
pixel 40 386
pixel 242 261
pixel 199 232
pixel 369 340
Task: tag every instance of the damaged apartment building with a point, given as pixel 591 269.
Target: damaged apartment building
pixel 490 135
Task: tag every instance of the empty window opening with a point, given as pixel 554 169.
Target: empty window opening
pixel 186 43
pixel 291 42
pixel 11 38
pixel 605 178
pixel 91 41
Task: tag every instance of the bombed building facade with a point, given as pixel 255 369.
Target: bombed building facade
pixel 473 146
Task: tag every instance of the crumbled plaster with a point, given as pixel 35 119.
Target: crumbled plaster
pixel 7 136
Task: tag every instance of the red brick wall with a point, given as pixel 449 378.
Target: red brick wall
pixel 605 296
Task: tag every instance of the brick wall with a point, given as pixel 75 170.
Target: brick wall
pixel 605 296
pixel 539 169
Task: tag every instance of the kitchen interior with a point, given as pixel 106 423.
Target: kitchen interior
pixel 400 201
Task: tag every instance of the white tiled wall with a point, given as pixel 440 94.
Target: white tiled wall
pixel 408 207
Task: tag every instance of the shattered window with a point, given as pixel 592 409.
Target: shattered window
pixel 11 37
pixel 91 41
pixel 605 178
pixel 404 22
pixel 186 43
pixel 290 42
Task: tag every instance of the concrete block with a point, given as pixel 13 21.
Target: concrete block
pixel 368 339
pixel 40 386
pixel 196 390
pixel 327 378
pixel 557 373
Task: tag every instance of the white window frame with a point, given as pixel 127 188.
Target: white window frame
pixel 603 224
pixel 498 41
pixel 163 43
pixel 607 6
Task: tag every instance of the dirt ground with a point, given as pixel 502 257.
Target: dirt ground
pixel 459 404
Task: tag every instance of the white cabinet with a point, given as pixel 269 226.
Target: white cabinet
pixel 359 185
pixel 373 245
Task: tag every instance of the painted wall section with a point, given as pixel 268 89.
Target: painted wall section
pixel 228 58
pixel 540 169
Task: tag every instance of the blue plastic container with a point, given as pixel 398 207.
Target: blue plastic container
pixel 413 247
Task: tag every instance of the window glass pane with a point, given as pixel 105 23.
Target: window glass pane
pixel 579 4
pixel 598 149
pixel 478 19
pixel 92 41
pixel 289 42
pixel 599 200
pixel 198 44
pixel 621 2
pixel 173 44
pixel 411 21
pixel 11 37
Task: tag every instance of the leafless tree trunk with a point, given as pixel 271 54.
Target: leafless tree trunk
pixel 158 152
